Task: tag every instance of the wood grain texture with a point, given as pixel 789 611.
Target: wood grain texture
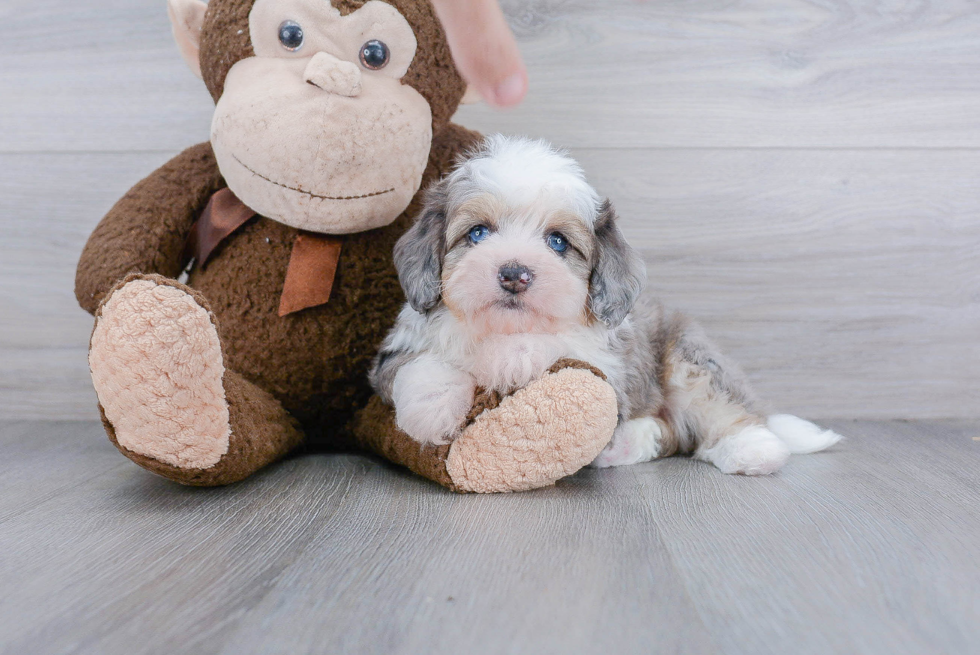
pixel 867 548
pixel 845 282
pixel 870 525
pixel 746 73
pixel 619 73
pixel 801 176
pixel 43 333
pixel 95 75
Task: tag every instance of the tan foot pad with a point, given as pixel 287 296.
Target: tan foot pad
pixel 157 368
pixel 536 436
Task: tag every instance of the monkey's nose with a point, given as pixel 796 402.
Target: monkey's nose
pixel 514 278
pixel 333 75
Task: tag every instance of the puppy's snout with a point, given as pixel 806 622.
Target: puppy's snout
pixel 514 277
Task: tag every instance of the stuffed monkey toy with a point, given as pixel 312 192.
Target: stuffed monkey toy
pixel 330 117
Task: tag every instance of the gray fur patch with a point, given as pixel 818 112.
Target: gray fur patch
pixel 618 274
pixel 384 370
pixel 419 252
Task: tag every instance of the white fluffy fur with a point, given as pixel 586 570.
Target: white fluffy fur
pixel 753 451
pixel 633 442
pixel 432 399
pixel 527 172
pixel 501 361
pixel 801 437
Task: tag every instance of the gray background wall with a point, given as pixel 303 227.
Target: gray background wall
pixel 802 176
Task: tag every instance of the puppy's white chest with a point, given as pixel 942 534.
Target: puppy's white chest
pixel 506 362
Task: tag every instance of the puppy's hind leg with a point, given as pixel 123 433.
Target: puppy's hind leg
pixel 754 450
pixel 709 400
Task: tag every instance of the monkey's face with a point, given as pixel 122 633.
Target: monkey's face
pixel 316 130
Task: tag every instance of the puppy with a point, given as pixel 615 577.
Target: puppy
pixel 516 262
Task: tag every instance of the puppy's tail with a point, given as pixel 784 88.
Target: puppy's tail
pixel 801 436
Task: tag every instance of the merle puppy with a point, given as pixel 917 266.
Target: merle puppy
pixel 516 262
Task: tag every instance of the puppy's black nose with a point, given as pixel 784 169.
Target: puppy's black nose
pixel 514 278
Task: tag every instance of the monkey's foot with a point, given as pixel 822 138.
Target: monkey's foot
pixel 157 368
pixel 538 435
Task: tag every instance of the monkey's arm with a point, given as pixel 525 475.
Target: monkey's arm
pixel 146 230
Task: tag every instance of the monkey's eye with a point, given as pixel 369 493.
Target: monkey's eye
pixel 479 233
pixel 291 35
pixel 375 55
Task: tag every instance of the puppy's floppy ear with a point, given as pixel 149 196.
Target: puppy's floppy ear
pixel 618 274
pixel 419 252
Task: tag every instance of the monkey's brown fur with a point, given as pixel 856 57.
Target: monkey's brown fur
pixel 301 377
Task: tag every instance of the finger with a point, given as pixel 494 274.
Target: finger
pixel 484 49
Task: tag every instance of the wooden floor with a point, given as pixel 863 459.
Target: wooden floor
pixel 871 547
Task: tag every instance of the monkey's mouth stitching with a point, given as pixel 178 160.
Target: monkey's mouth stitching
pixel 313 195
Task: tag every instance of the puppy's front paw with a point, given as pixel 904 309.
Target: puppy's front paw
pixel 432 400
pixel 633 442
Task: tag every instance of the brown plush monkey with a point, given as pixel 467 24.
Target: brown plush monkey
pixel 330 117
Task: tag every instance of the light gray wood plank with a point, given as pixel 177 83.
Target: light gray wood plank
pixel 750 73
pixel 845 282
pixel 144 556
pixel 130 563
pixel 713 73
pixel 43 333
pixel 419 571
pixel 44 460
pixel 95 75
pixel 867 548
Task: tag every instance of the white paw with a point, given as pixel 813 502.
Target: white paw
pixel 753 451
pixel 431 400
pixel 633 442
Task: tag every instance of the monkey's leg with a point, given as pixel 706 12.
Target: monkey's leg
pixel 167 401
pixel 532 438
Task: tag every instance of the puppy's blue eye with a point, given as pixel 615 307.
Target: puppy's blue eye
pixel 557 242
pixel 479 233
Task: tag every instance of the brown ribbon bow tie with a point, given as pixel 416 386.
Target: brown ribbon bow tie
pixel 312 264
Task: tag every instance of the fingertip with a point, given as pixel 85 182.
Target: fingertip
pixel 510 91
pixel 484 49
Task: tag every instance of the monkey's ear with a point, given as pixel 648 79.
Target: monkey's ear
pixel 471 96
pixel 187 18
pixel 420 251
pixel 618 274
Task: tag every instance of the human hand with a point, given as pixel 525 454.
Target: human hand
pixel 484 49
